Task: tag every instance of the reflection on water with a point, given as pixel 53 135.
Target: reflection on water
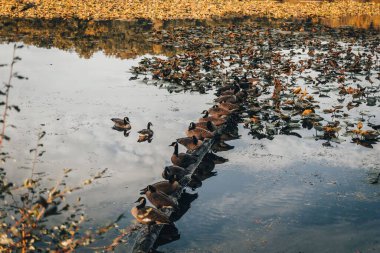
pixel 123 39
pixel 285 195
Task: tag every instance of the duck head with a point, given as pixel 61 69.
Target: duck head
pixel 192 126
pixel 149 125
pixel 175 145
pixel 126 120
pixel 205 112
pixel 166 172
pixel 141 201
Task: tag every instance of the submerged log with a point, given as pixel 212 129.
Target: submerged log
pixel 147 237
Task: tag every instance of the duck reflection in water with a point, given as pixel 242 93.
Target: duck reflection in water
pixel 168 234
pixel 184 204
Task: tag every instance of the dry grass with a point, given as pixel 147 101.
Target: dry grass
pixel 180 9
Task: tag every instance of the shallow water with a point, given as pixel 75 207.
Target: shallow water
pixel 285 195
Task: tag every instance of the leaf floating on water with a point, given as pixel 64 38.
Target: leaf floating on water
pixel 67 171
pixel 5 240
pixel 41 135
pixel 87 181
pixel 307 112
pixel 297 90
pixel 29 183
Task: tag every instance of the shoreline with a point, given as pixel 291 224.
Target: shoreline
pixel 177 9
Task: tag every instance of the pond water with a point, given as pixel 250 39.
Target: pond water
pixel 284 195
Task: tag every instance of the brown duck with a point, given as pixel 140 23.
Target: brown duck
pixel 167 187
pixel 147 214
pixel 146 134
pixel 159 199
pixel 218 111
pixel 182 159
pixel 209 126
pixel 216 121
pixel 229 106
pixel 121 124
pixel 200 133
pixel 191 143
pixel 227 98
pixel 173 170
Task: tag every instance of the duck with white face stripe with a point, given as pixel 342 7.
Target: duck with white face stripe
pixel 121 124
pixel 148 215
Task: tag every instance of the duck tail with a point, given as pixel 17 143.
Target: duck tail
pixel 143 191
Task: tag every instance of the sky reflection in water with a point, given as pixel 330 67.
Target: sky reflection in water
pixel 285 195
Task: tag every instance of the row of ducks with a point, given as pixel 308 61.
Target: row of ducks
pixel 159 194
pixel 125 126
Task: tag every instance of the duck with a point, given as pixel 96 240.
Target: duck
pixel 231 90
pixel 191 143
pixel 122 124
pixel 159 199
pixel 216 121
pixel 182 159
pixel 227 98
pixel 229 106
pixel 218 111
pixel 148 215
pixel 208 125
pixel 174 170
pixel 146 134
pixel 200 133
pixel 168 187
pixel 228 89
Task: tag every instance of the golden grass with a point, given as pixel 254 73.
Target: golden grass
pixel 180 9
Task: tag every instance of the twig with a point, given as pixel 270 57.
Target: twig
pixel 7 90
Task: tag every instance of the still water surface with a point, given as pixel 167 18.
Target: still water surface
pixel 285 195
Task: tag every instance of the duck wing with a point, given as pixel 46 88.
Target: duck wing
pixel 118 121
pixel 152 215
pixel 147 132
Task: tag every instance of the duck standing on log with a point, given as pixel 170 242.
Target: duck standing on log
pixel 159 199
pixel 216 121
pixel 191 143
pixel 200 133
pixel 148 215
pixel 168 187
pixel 182 159
pixel 174 170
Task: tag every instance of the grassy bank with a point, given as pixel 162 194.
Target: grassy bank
pixel 180 9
